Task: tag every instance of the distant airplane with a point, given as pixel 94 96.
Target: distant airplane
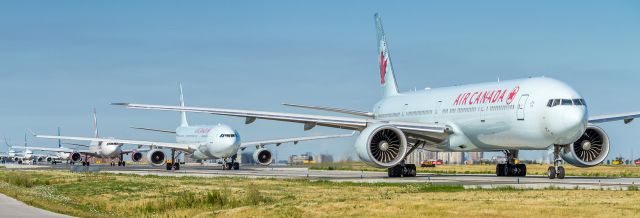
pixel 507 116
pixel 201 142
pixel 98 147
pixel 26 155
pixel 61 153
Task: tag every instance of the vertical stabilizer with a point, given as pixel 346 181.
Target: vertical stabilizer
pixel 183 115
pixel 387 77
pixel 59 141
pixel 95 124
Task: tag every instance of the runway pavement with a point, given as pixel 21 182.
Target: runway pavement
pixel 10 207
pixel 468 180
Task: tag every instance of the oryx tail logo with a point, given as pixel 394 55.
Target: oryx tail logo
pixel 513 94
pixel 383 67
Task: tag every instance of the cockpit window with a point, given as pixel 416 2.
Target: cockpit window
pixel 577 102
pixel 568 102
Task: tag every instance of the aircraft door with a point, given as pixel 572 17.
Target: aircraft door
pixel 521 106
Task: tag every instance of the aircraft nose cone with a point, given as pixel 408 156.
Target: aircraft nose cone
pixel 574 123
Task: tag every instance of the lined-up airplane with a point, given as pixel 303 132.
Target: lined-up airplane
pixel 61 153
pixel 99 147
pixel 508 116
pixel 26 155
pixel 202 142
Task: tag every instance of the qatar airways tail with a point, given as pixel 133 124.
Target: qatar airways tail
pixel 508 116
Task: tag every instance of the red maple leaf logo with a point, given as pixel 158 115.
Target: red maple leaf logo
pixel 383 67
pixel 513 94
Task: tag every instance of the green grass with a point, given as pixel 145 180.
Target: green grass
pixel 110 195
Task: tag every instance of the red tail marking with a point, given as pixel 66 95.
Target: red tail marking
pixel 383 67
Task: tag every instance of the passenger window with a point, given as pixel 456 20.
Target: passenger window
pixel 556 102
pixel 566 102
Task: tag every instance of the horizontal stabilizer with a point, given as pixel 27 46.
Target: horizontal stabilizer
pixel 332 109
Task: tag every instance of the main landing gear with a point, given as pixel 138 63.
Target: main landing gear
pixel 174 163
pixel 511 168
pixel 402 169
pixel 233 165
pixel 556 171
pixel 85 161
pixel 121 161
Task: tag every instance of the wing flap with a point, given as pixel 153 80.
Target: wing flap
pixel 294 140
pixel 182 147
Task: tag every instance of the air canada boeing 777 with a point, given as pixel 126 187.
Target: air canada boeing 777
pixel 508 116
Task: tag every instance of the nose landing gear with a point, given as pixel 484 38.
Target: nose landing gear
pixel 556 171
pixel 511 168
pixel 233 165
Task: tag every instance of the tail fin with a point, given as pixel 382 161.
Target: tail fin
pixel 59 141
pixel 387 78
pixel 183 115
pixel 95 124
pixel 25 140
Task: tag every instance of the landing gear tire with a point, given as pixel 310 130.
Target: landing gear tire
pixel 228 166
pixel 519 170
pixel 236 166
pixel 500 169
pixel 123 163
pixel 551 172
pixel 560 172
pixel 395 171
pixel 176 166
pixel 409 170
pixel 168 166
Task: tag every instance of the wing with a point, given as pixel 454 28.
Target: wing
pixel 332 109
pixel 309 121
pixel 45 149
pixel 626 117
pixel 294 140
pixel 154 130
pixel 182 147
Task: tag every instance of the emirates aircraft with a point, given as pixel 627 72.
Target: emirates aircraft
pixel 201 142
pixel 508 116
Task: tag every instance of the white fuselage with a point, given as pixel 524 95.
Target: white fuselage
pixel 105 150
pixel 494 116
pixel 219 141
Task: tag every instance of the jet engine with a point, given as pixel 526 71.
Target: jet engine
pixel 75 157
pixel 40 159
pixel 262 156
pixel 381 145
pixel 591 149
pixel 136 156
pixel 156 157
pixel 49 159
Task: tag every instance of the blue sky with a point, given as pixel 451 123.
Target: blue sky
pixel 58 59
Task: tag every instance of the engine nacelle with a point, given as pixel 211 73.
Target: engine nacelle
pixel 591 149
pixel 381 145
pixel 136 156
pixel 75 157
pixel 49 159
pixel 40 159
pixel 156 157
pixel 263 156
